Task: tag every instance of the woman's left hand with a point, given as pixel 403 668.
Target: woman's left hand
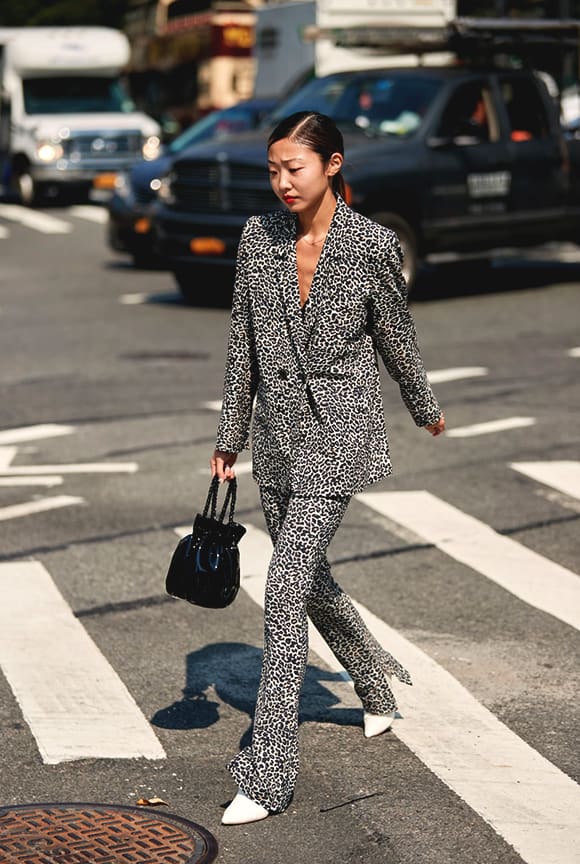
pixel 436 428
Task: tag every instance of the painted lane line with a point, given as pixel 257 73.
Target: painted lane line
pixel 4 233
pixel 133 299
pixel 216 405
pixel 78 468
pixel 35 219
pixel 7 454
pixel 74 702
pixel 532 578
pixel 527 800
pixel 34 433
pixel 91 214
pixel 563 476
pixel 574 352
pixel 31 481
pixel 491 426
pixel 41 505
pixel 438 376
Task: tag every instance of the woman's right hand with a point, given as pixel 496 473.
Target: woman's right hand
pixel 221 464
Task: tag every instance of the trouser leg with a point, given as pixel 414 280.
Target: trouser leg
pixel 266 771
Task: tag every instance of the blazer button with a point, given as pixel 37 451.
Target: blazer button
pixel 283 374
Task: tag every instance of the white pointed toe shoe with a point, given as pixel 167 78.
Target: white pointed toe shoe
pixel 375 724
pixel 243 810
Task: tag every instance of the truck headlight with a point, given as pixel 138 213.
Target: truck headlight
pixel 151 147
pixel 49 151
pixel 165 190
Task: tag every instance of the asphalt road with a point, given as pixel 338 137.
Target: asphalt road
pixel 484 756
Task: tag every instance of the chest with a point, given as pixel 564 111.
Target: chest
pixel 307 257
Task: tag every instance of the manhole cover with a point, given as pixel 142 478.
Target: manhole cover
pixel 100 834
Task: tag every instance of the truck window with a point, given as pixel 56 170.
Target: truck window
pixel 525 109
pixel 74 95
pixel 384 104
pixel 470 116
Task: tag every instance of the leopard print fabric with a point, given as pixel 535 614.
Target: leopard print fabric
pixel 318 414
pixel 299 583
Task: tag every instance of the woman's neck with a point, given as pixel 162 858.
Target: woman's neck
pixel 316 222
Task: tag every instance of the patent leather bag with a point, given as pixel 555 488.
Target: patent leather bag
pixel 205 567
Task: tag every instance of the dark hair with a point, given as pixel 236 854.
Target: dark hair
pixel 316 131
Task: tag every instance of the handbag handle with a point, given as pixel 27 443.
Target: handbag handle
pixel 230 498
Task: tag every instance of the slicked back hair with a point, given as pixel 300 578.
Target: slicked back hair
pixel 316 131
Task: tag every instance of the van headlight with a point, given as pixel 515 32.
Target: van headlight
pixel 165 189
pixel 151 147
pixel 49 151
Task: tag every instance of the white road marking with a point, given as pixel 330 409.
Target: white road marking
pixel 7 454
pixel 76 468
pixel 34 433
pixel 563 476
pixel 491 426
pixel 525 798
pixel 216 405
pixel 574 352
pixel 40 505
pixel 133 299
pixel 30 481
pixel 34 219
pixel 74 702
pixel 438 376
pixel 521 571
pixel 4 233
pixel 91 214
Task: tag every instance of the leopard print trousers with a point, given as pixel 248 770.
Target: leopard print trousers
pixel 299 583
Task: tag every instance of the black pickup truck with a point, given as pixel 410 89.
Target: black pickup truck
pixel 460 162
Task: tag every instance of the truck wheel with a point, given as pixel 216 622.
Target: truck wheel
pixel 26 188
pixel 407 240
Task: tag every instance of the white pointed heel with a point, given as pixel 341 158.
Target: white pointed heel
pixel 375 724
pixel 243 810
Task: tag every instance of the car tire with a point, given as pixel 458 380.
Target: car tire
pixel 408 241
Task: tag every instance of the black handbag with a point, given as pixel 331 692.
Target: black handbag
pixel 205 567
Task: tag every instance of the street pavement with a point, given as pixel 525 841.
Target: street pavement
pixel 465 564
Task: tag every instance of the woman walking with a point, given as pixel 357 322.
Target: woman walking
pixel 318 290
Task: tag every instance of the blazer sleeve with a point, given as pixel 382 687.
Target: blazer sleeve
pixel 394 335
pixel 241 373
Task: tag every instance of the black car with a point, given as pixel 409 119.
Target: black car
pixel 458 161
pixel 129 228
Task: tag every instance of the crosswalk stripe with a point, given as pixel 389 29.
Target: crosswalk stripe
pixel 91 214
pixel 4 233
pixel 574 352
pixel 563 476
pixel 31 481
pixel 34 433
pixel 74 702
pixel 521 571
pixel 76 468
pixel 527 800
pixel 40 505
pixel 34 219
pixel 439 376
pixel 490 426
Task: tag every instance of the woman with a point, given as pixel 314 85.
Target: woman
pixel 318 289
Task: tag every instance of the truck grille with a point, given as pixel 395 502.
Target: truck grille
pixel 222 187
pixel 92 146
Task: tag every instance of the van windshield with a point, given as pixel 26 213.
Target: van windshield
pixel 383 104
pixel 78 95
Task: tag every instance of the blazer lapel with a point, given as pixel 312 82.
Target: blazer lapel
pixel 322 286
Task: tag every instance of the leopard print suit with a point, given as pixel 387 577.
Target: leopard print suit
pixel 318 437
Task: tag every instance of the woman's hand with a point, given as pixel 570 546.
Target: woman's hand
pixel 222 463
pixel 436 428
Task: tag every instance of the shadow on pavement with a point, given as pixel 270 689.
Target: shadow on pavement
pixel 232 669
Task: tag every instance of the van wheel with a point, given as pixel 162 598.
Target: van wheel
pixel 408 242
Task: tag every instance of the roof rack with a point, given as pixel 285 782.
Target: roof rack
pixel 461 36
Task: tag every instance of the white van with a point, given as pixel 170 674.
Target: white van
pixel 65 120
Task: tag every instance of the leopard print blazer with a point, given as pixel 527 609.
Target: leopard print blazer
pixel 318 419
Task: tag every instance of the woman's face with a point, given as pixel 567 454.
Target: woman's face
pixel 298 175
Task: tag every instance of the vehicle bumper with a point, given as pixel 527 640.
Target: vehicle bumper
pixel 126 229
pixel 174 232
pixel 73 175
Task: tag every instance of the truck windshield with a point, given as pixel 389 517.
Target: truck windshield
pixel 380 104
pixel 78 95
